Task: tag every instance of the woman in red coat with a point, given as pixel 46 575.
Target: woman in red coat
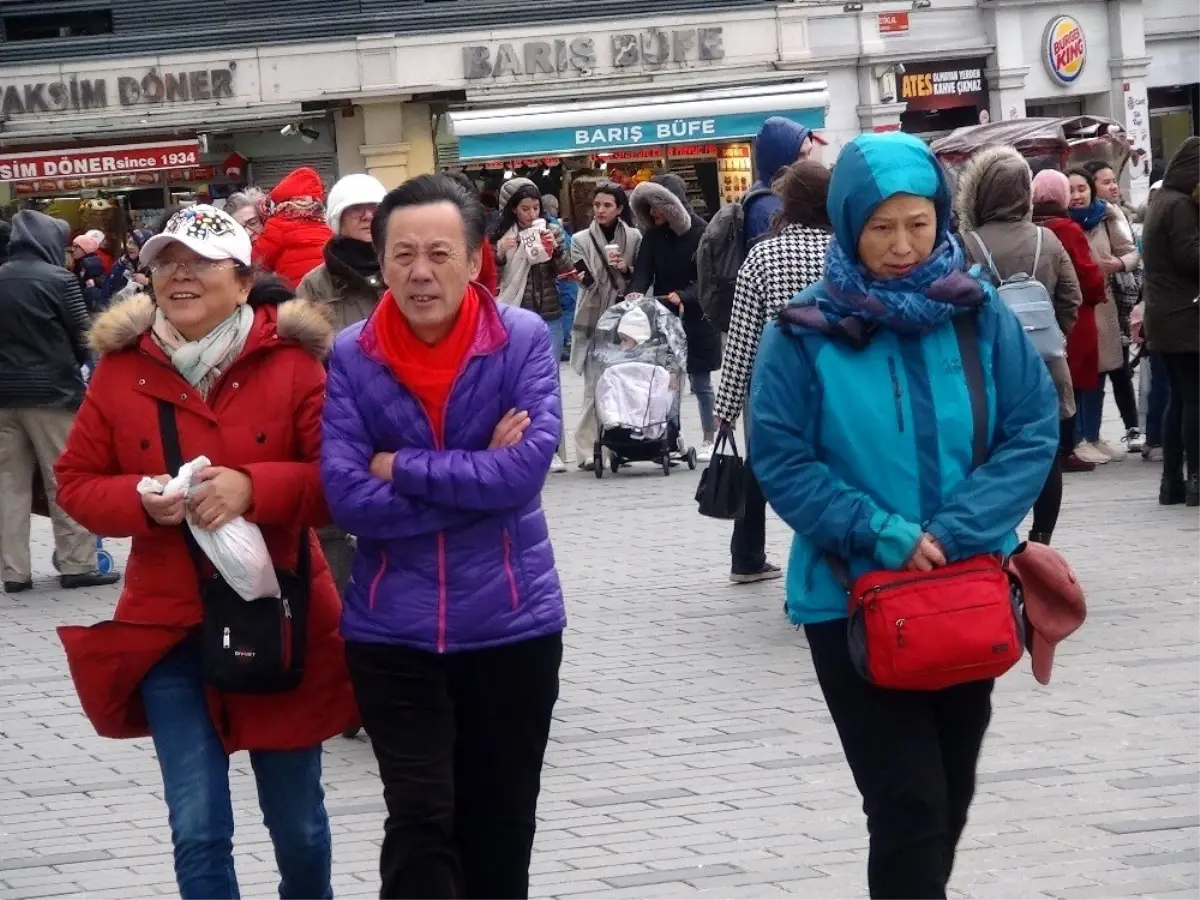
pixel 1051 193
pixel 293 241
pixel 246 383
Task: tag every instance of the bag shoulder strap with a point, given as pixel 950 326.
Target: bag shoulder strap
pixel 987 254
pixel 1037 254
pixel 613 275
pixel 968 348
pixel 168 431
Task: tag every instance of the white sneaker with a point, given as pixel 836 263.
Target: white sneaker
pixel 557 465
pixel 1088 453
pixel 1134 441
pixel 1109 450
pixel 704 453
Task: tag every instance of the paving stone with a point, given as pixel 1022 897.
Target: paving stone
pixel 691 727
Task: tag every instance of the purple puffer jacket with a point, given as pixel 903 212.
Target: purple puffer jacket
pixel 455 553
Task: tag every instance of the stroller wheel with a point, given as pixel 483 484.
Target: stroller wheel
pixel 598 462
pixel 666 464
pixel 104 562
pixel 54 560
pixel 691 458
pixel 614 463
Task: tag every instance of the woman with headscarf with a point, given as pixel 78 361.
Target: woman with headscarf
pixel 442 416
pixel 234 364
pixel 775 269
pixel 900 420
pixel 1114 251
pixel 666 262
pixel 528 284
pixel 89 269
pixel 604 281
pixel 127 271
pixel 994 201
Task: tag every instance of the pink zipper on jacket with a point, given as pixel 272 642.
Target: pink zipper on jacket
pixel 508 569
pixel 375 583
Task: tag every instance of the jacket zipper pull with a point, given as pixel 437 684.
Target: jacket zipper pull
pixel 900 632
pixel 287 608
pixel 225 639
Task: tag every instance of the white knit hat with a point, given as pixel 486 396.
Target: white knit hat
pixel 353 190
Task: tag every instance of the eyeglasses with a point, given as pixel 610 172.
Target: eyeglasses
pixel 200 268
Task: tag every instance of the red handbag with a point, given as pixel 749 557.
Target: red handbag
pixel 924 631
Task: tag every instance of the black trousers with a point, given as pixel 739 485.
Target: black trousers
pixel 1181 423
pixel 1049 502
pixel 1122 389
pixel 460 740
pixel 913 755
pixel 748 548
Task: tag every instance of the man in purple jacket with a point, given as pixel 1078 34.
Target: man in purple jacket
pixel 441 417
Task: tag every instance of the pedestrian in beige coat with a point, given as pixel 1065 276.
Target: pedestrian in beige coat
pixel 1114 251
pixel 994 203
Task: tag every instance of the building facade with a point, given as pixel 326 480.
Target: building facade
pixel 677 82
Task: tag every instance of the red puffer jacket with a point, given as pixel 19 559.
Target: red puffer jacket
pixel 293 241
pixel 263 418
pixel 1083 342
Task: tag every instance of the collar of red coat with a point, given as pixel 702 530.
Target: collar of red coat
pixel 127 324
pixel 490 333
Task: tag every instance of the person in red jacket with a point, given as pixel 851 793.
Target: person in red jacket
pixel 293 240
pixel 243 375
pixel 1051 193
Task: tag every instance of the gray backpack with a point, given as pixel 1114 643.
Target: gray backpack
pixel 720 255
pixel 1030 301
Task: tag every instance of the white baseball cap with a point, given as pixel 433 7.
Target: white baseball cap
pixel 206 231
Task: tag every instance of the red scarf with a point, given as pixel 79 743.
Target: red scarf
pixel 428 371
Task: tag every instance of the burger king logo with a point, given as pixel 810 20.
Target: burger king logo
pixel 1066 49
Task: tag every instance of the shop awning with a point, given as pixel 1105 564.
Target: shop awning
pixel 576 128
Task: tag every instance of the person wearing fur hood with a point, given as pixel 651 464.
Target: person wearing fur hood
pixel 238 364
pixel 994 202
pixel 293 239
pixel 666 262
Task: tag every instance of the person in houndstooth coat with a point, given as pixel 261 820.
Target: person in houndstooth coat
pixel 775 270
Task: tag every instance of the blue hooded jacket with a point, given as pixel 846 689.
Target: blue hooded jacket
pixel 777 145
pixel 862 447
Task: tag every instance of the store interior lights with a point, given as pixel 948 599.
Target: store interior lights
pixel 508 173
pixel 546 172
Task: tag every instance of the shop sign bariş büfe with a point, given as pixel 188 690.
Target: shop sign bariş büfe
pixel 131 158
pixel 945 85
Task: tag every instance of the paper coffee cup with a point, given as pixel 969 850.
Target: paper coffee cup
pixel 539 224
pixel 612 251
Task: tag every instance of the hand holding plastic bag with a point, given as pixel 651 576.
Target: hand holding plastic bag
pixel 237 549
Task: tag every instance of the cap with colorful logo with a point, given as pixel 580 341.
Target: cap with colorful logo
pixel 206 231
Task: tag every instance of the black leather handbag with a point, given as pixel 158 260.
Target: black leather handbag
pixel 722 490
pixel 246 646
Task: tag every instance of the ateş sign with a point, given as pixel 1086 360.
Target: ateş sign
pixel 1065 49
pixel 652 49
pixel 131 158
pixel 893 23
pixel 945 85
pixel 616 136
pixel 148 89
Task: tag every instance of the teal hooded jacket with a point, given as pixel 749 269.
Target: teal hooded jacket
pixel 862 446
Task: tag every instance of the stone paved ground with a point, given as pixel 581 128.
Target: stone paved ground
pixel 691 753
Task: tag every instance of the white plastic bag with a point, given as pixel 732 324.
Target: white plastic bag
pixel 237 549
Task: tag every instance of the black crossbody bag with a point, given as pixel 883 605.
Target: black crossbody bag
pixel 246 646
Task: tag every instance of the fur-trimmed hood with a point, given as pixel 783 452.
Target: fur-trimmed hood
pixel 122 325
pixel 649 194
pixel 995 186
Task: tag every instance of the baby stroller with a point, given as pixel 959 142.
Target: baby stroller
pixel 634 367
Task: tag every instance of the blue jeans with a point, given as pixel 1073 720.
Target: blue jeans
pixel 559 328
pixel 195 773
pixel 702 389
pixel 1089 408
pixel 1160 393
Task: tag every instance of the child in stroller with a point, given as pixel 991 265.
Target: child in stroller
pixel 634 367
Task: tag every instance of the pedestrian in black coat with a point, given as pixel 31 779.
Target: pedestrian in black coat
pixel 667 262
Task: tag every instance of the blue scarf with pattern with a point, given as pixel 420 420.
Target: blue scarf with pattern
pixel 921 301
pixel 1091 215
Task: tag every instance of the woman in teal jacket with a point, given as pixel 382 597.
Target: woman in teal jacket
pixel 863 433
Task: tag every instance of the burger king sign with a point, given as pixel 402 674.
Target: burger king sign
pixel 1066 49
